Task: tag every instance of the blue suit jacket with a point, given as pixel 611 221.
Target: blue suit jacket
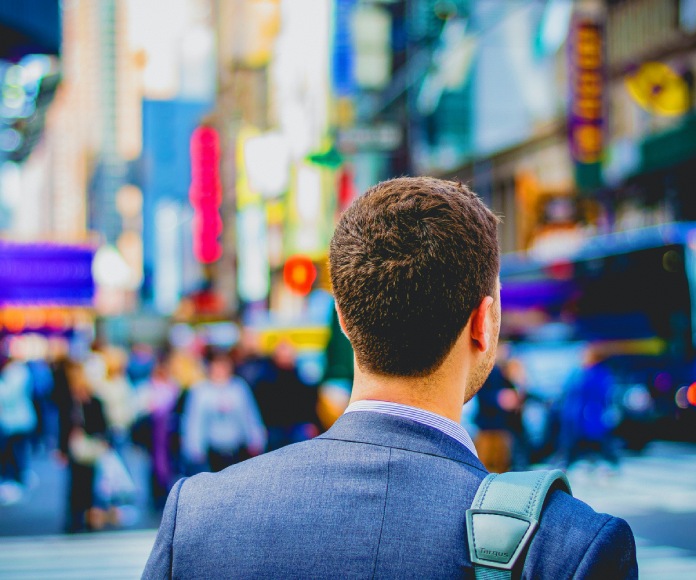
pixel 376 496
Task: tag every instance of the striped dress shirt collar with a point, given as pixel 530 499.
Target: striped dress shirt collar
pixel 443 424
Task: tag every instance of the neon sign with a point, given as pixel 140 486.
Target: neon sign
pixel 586 121
pixel 205 194
pixel 299 274
pixel 38 274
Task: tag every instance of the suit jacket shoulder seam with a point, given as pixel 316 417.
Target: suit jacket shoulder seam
pixel 176 515
pixel 403 449
pixel 384 515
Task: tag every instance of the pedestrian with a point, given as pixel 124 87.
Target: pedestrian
pixel 116 392
pixel 221 423
pixel 414 266
pixel 82 441
pixel 587 413
pixel 186 369
pixel 41 386
pixel 249 362
pixel 17 424
pixel 141 360
pixel 157 398
pixel 288 406
pixel 493 418
pixel 517 400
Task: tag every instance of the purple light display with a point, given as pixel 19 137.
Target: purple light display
pixel 45 274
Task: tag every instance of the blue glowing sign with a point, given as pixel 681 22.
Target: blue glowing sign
pixel 46 274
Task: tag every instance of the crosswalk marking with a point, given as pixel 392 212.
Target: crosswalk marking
pixel 658 482
pixel 100 556
pixel 659 562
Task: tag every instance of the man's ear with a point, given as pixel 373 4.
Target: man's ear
pixel 481 331
pixel 341 322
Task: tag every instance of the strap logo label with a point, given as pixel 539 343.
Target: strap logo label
pixel 494 553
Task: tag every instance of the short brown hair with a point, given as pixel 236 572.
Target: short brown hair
pixel 410 260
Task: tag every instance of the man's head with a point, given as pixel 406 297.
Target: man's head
pixel 411 260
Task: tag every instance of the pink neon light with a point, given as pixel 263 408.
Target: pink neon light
pixel 205 194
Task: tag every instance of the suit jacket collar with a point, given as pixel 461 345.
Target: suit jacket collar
pixel 401 433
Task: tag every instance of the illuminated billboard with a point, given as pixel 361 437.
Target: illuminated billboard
pixel 45 274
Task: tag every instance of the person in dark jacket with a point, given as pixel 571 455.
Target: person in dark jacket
pixel 587 413
pixel 82 440
pixel 288 406
pixel 498 417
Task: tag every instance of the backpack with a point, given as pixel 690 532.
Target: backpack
pixel 504 517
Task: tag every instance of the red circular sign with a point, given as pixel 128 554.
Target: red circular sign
pixel 299 274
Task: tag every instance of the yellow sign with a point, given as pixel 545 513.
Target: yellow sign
pixel 658 89
pixel 301 338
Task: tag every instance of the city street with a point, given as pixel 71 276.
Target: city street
pixel 222 221
pixel 655 492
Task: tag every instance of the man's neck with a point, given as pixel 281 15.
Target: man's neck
pixel 438 394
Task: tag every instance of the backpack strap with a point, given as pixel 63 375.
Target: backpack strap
pixel 504 516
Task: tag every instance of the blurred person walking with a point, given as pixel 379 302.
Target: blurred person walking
pixel 141 361
pixel 414 264
pixel 95 363
pixel 116 393
pixel 588 416
pixel 157 397
pixel 46 432
pixel 497 417
pixel 249 362
pixel 515 403
pixel 82 441
pixel 221 423
pixel 187 369
pixel 17 424
pixel 288 406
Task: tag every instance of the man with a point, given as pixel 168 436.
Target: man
pixel 587 420
pixel 383 493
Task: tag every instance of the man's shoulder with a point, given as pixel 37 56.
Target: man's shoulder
pixel 573 537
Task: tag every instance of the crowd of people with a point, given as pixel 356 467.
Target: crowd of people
pixel 206 408
pixel 189 410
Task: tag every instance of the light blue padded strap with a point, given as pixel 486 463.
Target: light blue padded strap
pixel 504 516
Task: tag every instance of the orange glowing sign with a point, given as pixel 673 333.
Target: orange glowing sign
pixel 586 119
pixel 299 274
